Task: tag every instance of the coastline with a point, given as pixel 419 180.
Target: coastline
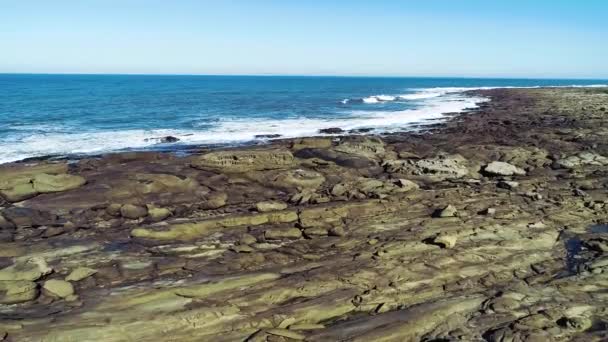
pixel 475 228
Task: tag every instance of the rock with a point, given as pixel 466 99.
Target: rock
pixel 247 239
pixel 5 224
pixel 246 160
pixel 315 231
pixel 498 168
pixel 243 249
pixel 445 240
pixel 132 211
pixel 149 186
pixel 342 159
pixel 267 136
pixel 6 235
pixel 299 179
pixel 17 291
pixel 575 323
pixel 17 181
pixel 337 231
pixel 113 209
pixel 27 217
pixel 581 159
pixel 31 269
pixel 320 143
pixel 216 200
pixel 306 326
pixel 58 288
pixel 168 139
pixel 368 147
pixel 448 211
pixel 286 333
pixel 332 130
pixel 407 185
pixel 19 192
pixel 45 183
pixel 436 169
pixel 194 230
pixel 163 140
pixel 80 273
pixel 270 206
pixel 158 214
pixel 282 233
pixel 489 211
pixel 509 185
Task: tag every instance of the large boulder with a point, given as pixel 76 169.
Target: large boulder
pixel 497 168
pixel 245 160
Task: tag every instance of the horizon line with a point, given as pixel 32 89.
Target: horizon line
pixel 303 75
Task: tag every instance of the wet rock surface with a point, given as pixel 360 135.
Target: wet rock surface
pixel 490 227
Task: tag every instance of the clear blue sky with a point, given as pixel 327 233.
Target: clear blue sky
pixel 511 38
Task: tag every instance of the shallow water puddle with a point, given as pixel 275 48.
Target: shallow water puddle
pixel 598 228
pixel 574 247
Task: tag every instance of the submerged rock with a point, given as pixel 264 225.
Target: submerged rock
pixel 332 130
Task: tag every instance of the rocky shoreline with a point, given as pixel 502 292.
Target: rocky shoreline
pixel 489 227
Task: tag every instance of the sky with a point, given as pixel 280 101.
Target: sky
pixel 474 38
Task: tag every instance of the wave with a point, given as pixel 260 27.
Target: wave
pixel 427 93
pixel 432 104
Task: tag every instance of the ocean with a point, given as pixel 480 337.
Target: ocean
pixel 63 115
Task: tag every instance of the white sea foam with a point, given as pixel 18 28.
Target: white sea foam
pixel 432 103
pixel 378 98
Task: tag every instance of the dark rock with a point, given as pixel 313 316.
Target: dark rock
pixel 332 130
pixel 163 140
pixel 267 136
pixel 341 159
pixel 27 217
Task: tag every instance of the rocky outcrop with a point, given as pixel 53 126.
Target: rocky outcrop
pixel 435 169
pixel 582 159
pixel 432 236
pixel 245 160
pixel 20 183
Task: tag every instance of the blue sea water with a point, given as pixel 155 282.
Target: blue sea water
pixel 87 114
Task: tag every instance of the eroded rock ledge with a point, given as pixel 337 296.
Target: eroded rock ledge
pixel 476 230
